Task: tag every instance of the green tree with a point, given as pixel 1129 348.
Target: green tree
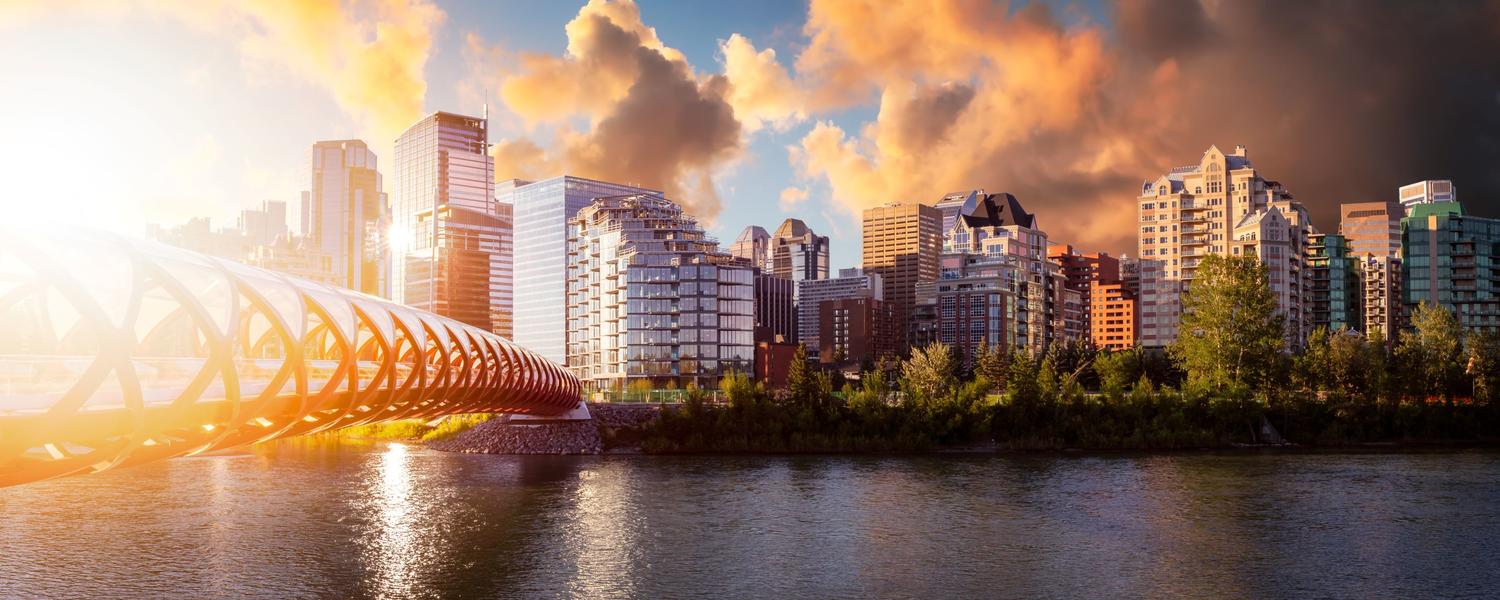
pixel 1432 351
pixel 1349 364
pixel 1230 335
pixel 929 373
pixel 1484 366
pixel 993 364
pixel 801 378
pixel 1117 370
pixel 1310 367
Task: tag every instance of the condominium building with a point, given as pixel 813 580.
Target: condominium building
pixel 345 216
pixel 1335 297
pixel 1382 301
pixel 1193 211
pixel 1372 228
pixel 851 283
pixel 852 330
pixel 1277 236
pixel 974 303
pixel 544 211
pixel 1080 272
pixel 901 244
pixel 651 298
pixel 754 245
pixel 775 309
pixel 1114 322
pixel 1426 192
pixel 1453 260
pixel 996 235
pixel 451 240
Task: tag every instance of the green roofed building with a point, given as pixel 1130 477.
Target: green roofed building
pixel 1453 259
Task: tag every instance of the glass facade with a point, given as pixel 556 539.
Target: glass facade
pixel 1336 282
pixel 1453 260
pixel 450 239
pixel 345 217
pixel 543 210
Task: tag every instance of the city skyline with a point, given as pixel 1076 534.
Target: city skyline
pixel 812 124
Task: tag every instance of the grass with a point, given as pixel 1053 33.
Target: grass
pixel 413 429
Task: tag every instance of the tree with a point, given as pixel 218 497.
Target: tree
pixel 1432 351
pixel 1310 368
pixel 1349 364
pixel 1484 365
pixel 1117 370
pixel 1230 334
pixel 929 373
pixel 993 364
pixel 801 381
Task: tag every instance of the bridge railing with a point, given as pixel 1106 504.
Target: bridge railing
pixel 115 351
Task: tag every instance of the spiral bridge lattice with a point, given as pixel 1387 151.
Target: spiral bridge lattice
pixel 116 352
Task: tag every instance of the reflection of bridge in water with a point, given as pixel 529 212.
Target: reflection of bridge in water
pixel 116 352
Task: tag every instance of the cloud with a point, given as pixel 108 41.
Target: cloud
pixel 762 91
pixel 792 197
pixel 652 120
pixel 369 56
pixel 1350 101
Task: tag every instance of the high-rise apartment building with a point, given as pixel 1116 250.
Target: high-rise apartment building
pixel 901 243
pixel 1114 321
pixel 651 298
pixel 797 253
pixel 1335 297
pixel 775 309
pixel 1277 237
pixel 996 237
pixel 1452 260
pixel 1371 228
pixel 754 245
pixel 851 283
pixel 1382 302
pixel 345 216
pixel 1080 273
pixel 1197 210
pixel 1426 192
pixel 544 212
pixel 851 330
pixel 451 242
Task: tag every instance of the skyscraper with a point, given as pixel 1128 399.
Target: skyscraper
pixel 1371 228
pixel 651 298
pixel 452 241
pixel 754 245
pixel 1196 210
pixel 544 211
pixel 264 225
pixel 901 243
pixel 1426 192
pixel 797 253
pixel 344 215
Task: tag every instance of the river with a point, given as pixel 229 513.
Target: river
pixel 323 518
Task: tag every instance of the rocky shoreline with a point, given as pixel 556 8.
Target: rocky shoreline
pixel 614 428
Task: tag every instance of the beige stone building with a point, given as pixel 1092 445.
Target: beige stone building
pixel 1371 228
pixel 1193 211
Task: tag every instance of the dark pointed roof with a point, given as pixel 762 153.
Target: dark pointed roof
pixel 997 210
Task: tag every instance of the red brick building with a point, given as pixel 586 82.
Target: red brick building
pixel 857 328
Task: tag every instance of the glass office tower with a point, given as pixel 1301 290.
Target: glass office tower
pixel 450 239
pixel 1453 260
pixel 543 211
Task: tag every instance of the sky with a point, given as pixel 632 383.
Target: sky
pixel 123 113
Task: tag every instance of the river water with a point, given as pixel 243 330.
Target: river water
pixel 323 518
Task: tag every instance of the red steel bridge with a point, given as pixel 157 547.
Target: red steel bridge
pixel 116 352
